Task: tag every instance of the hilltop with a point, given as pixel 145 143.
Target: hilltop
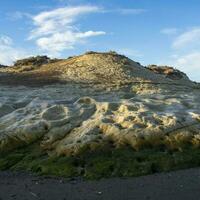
pixel 91 67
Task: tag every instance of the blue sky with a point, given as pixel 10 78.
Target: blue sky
pixel 148 31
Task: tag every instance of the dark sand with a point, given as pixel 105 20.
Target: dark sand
pixel 181 185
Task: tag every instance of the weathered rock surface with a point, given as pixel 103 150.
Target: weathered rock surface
pixel 107 98
pixel 90 68
pixel 168 72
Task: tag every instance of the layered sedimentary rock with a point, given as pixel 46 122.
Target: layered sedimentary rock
pixel 104 98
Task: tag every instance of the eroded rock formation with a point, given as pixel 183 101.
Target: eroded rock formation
pixel 104 98
pixel 168 72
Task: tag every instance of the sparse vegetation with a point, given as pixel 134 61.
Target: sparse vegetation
pixel 105 162
pixel 38 60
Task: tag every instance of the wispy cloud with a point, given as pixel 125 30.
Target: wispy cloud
pixel 130 11
pixel 125 11
pixel 130 52
pixel 190 64
pixel 188 39
pixel 61 41
pixel 18 15
pixel 8 52
pixel 55 30
pixel 169 31
pixel 5 40
pixel 187 48
pixel 186 52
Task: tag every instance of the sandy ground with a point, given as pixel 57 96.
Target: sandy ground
pixel 183 185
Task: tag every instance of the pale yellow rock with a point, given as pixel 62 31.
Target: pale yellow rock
pixel 109 98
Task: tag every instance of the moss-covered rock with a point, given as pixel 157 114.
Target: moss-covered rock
pixel 122 162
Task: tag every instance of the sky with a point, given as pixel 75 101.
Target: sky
pixel 147 31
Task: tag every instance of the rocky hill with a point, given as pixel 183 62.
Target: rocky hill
pixel 105 99
pixel 92 67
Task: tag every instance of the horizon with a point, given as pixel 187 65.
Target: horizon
pixel 148 32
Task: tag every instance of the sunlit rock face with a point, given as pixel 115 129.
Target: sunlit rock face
pixel 168 72
pixel 103 98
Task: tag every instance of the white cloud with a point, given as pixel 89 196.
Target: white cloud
pixel 8 52
pixel 18 15
pixel 186 53
pixel 125 11
pixel 51 21
pixel 169 31
pixel 61 41
pixel 5 40
pixel 55 30
pixel 130 53
pixel 190 64
pixel 188 39
pixel 130 11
